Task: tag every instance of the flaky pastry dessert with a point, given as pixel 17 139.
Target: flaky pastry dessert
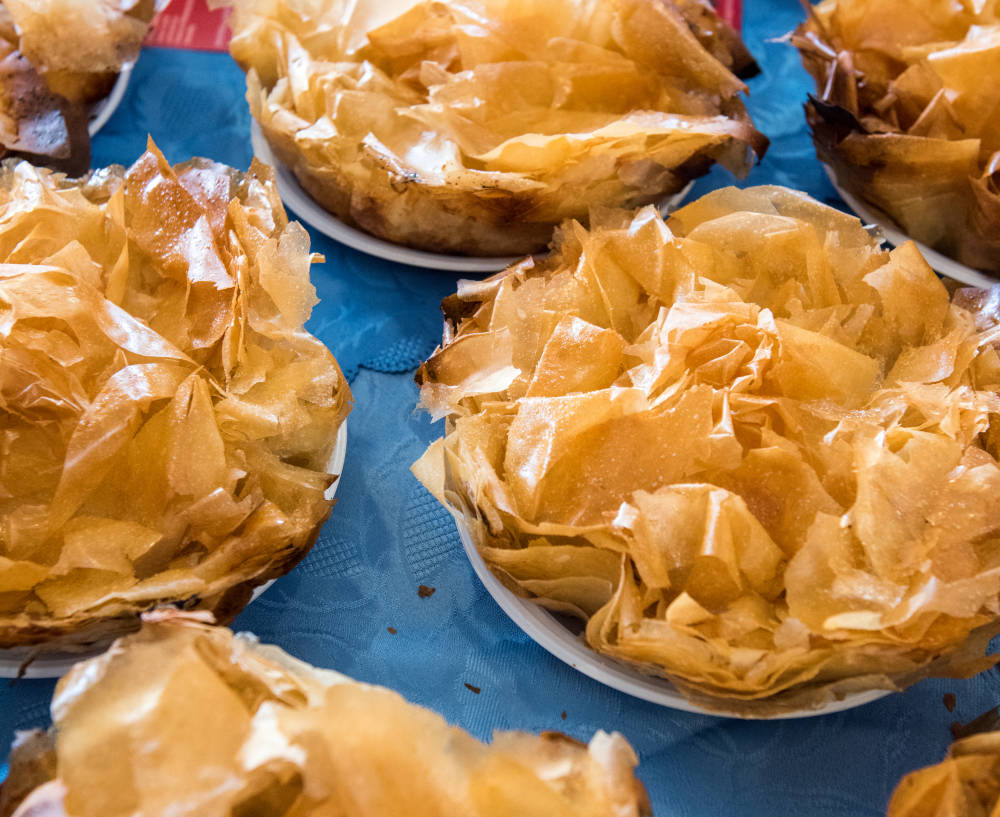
pixel 187 719
pixel 755 453
pixel 57 58
pixel 167 420
pixel 907 114
pixel 965 784
pixel 476 126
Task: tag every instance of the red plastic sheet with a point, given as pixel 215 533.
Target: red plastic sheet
pixel 191 24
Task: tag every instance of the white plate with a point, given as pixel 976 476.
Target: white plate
pixel 550 634
pixel 55 665
pixel 315 216
pixel 942 263
pixel 101 112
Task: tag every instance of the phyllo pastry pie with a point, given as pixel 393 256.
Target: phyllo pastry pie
pixel 907 114
pixel 166 419
pixel 755 453
pixel 965 784
pixel 476 126
pixel 186 719
pixel 57 58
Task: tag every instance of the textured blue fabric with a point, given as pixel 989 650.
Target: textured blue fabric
pixel 387 535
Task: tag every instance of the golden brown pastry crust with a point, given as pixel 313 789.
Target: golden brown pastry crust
pixel 57 59
pixel 475 127
pixel 36 123
pixel 903 116
pixel 745 446
pixel 964 784
pixel 168 421
pixel 186 716
pixel 80 46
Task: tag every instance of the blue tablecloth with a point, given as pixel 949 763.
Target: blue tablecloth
pixel 387 536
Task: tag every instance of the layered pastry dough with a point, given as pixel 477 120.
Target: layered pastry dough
pixel 754 452
pixel 167 421
pixel 183 718
pixel 476 126
pixel 907 114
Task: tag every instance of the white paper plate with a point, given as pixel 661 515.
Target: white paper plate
pixel 315 216
pixel 102 110
pixel 55 665
pixel 550 634
pixel 942 263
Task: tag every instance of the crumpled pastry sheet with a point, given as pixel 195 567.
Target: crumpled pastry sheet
pixel 907 114
pixel 35 123
pixel 755 453
pixel 79 46
pixel 477 126
pixel 166 419
pixel 186 718
pixel 57 57
pixel 965 784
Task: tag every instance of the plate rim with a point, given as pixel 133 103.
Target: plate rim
pixel 296 198
pixel 546 631
pixel 307 209
pixel 941 263
pixel 104 108
pixel 55 665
